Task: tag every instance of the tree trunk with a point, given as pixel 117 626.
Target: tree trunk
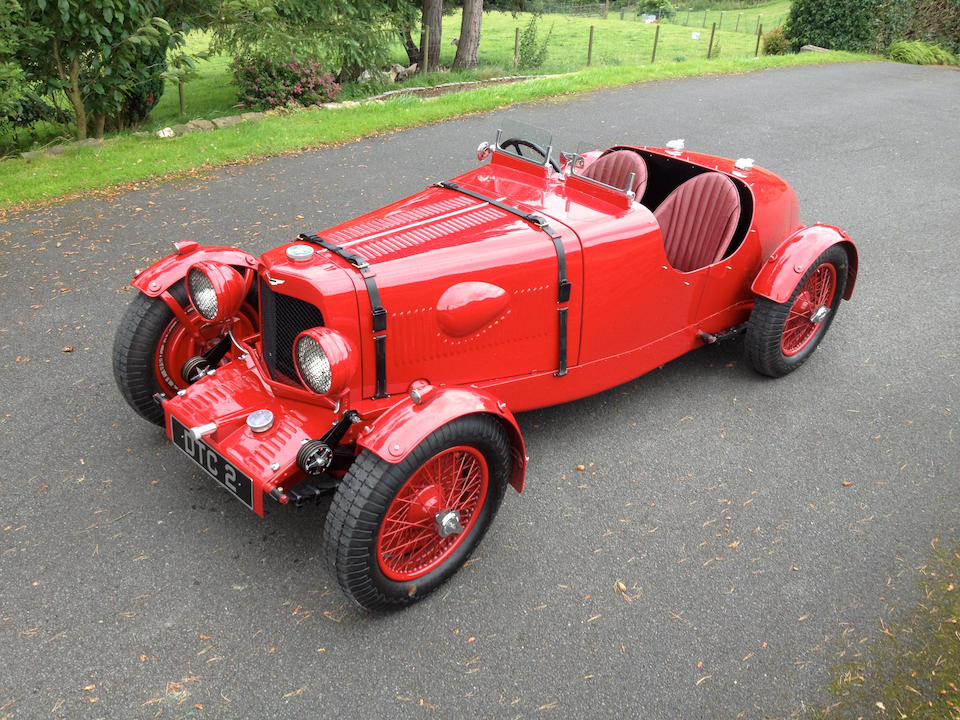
pixel 469 42
pixel 432 19
pixel 183 100
pixel 76 99
pixel 73 92
pixel 99 121
pixel 413 52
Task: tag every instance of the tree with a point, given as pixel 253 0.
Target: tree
pixel 351 36
pixel 92 50
pixel 469 43
pixel 13 84
pixel 432 14
pixel 181 66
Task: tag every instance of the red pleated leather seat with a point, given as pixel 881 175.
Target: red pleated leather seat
pixel 615 167
pixel 698 220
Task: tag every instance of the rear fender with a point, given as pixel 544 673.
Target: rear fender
pixel 164 273
pixel 404 426
pixel 778 277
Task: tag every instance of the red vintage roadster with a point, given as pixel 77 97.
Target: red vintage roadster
pixel 382 360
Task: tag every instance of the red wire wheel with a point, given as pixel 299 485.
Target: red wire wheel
pixel 152 345
pixel 800 328
pixel 452 483
pixel 781 336
pixel 178 344
pixel 395 532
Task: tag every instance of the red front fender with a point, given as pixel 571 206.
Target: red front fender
pixel 173 268
pixel 778 278
pixel 404 426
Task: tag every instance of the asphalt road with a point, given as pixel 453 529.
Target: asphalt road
pixel 131 587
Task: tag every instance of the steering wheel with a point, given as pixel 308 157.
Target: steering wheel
pixel 517 143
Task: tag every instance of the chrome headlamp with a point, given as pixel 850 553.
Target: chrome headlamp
pixel 313 365
pixel 326 360
pixel 215 290
pixel 202 294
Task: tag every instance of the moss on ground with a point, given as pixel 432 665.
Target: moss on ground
pixel 912 670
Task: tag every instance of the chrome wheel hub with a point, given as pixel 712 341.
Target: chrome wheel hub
pixel 448 523
pixel 820 314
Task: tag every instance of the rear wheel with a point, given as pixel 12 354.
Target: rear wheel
pixel 781 336
pixel 395 533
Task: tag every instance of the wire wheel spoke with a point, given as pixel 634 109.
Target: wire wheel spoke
pixel 409 544
pixel 817 291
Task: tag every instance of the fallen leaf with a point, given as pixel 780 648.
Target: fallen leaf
pixel 847 483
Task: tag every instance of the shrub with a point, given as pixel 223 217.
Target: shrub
pixel 832 24
pixel 140 99
pixel 661 8
pixel 937 21
pixel 891 21
pixel 265 83
pixel 531 52
pixel 775 42
pixel 917 52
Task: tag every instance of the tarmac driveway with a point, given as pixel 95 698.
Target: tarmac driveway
pixel 131 587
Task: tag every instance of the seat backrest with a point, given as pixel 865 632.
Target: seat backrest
pixel 614 169
pixel 698 220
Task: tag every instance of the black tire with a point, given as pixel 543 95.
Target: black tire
pixel 135 348
pixel 778 341
pixel 364 514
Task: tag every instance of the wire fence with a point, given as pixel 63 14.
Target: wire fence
pixel 731 20
pixel 728 20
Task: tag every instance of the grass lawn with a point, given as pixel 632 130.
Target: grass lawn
pixel 621 56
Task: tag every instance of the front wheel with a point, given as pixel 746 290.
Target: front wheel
pixel 781 336
pixel 152 345
pixel 395 533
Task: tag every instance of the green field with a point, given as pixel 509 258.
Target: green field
pixel 620 42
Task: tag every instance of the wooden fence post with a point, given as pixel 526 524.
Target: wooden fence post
pixel 623 9
pixel 758 19
pixel 720 24
pixel 710 49
pixel 687 22
pixel 756 52
pixel 656 36
pixel 704 18
pixel 590 47
pixel 516 46
pixel 606 8
pixel 737 28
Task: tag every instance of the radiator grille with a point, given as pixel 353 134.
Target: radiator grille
pixel 282 318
